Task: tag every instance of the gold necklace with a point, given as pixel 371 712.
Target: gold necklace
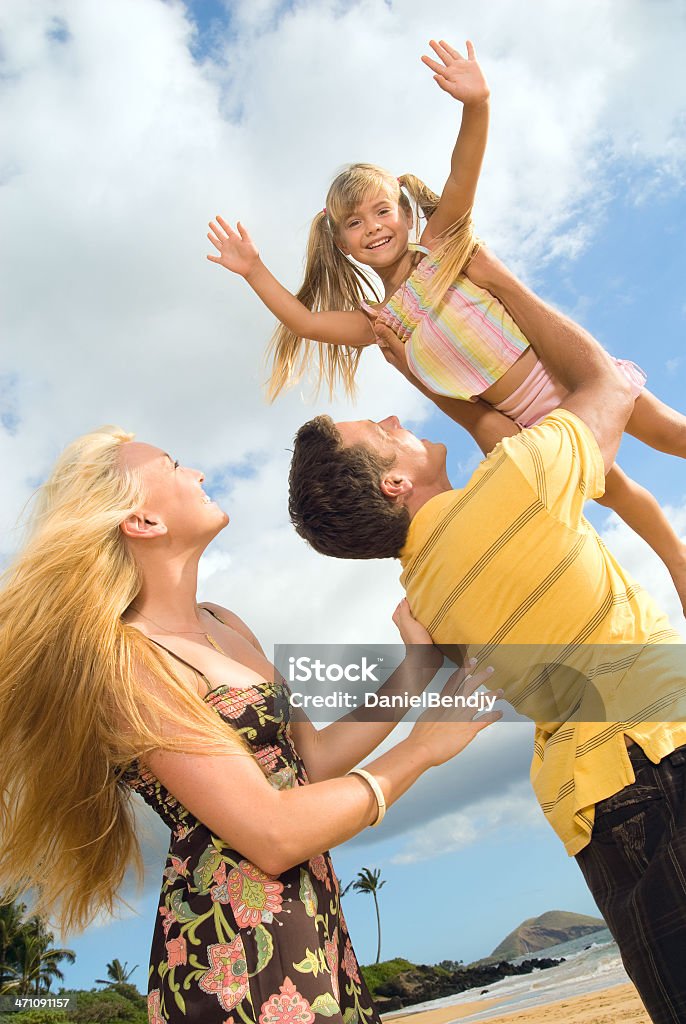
pixel 182 632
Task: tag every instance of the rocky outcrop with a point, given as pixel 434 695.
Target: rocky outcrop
pixel 423 983
pixel 547 930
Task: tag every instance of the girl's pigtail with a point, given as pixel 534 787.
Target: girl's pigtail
pixel 331 283
pixel 424 198
pixel 453 248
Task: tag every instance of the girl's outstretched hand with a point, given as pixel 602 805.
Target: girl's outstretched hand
pixel 460 76
pixel 237 251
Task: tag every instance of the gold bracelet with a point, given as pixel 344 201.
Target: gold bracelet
pixel 376 790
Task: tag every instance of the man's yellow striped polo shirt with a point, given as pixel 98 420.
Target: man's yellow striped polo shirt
pixel 510 560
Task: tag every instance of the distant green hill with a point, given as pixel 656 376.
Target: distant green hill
pixel 547 930
pixel 379 974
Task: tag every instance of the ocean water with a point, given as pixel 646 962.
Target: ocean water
pixel 591 963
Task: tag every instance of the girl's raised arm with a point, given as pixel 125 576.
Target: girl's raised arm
pixel 238 253
pixel 464 80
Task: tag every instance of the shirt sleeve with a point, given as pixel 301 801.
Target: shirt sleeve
pixel 561 461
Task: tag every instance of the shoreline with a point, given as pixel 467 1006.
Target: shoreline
pixel 605 1006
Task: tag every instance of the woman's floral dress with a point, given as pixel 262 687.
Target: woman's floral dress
pixel 232 944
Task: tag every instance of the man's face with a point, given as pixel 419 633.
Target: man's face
pixel 421 462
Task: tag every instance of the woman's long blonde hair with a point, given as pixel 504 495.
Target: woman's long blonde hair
pixel 82 694
pixel 333 282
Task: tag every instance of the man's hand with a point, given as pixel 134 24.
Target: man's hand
pixel 393 349
pixel 461 77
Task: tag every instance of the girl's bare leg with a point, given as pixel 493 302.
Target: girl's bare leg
pixel 641 511
pixel 658 425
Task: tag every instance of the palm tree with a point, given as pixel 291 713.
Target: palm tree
pixel 34 961
pixel 368 881
pixel 11 922
pixel 117 973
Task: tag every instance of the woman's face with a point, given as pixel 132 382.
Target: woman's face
pixel 175 504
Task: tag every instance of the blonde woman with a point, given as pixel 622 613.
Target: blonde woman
pixel 112 679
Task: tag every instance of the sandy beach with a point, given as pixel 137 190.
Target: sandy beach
pixel 607 1006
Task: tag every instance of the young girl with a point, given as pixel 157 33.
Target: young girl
pixel 460 342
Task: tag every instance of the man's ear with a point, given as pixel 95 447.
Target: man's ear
pixel 396 486
pixel 140 526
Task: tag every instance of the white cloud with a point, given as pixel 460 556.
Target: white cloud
pixel 467 789
pixel 514 809
pixel 643 563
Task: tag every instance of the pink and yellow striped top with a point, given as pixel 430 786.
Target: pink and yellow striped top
pixel 459 347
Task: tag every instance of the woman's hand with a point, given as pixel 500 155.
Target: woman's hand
pixel 420 652
pixel 461 77
pixel 237 251
pixel 411 631
pixel 441 733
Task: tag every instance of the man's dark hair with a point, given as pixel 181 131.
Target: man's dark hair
pixel 335 499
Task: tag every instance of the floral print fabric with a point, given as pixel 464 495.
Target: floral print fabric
pixel 232 944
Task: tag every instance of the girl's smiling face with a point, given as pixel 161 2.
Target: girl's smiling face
pixel 376 232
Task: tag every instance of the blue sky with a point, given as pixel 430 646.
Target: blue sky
pixel 128 132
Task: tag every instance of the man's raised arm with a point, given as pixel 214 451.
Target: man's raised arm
pixel 599 394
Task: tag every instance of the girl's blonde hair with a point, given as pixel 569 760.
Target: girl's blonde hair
pixel 82 694
pixel 333 282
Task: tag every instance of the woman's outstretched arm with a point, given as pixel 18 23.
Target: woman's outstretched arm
pixel 276 829
pixel 338 747
pixel 332 751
